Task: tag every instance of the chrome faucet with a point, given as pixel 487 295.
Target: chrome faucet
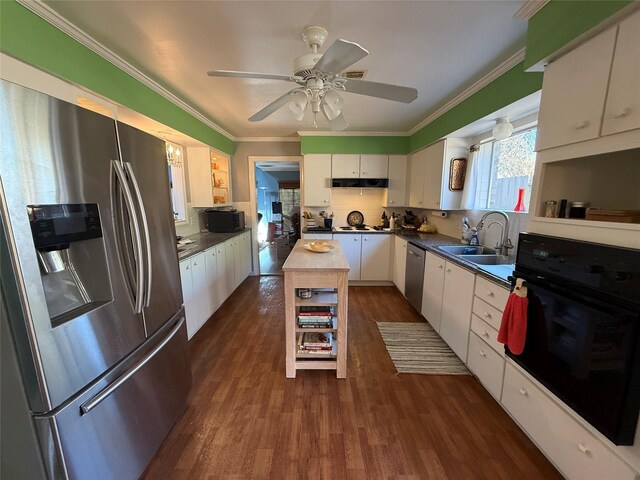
pixel 504 246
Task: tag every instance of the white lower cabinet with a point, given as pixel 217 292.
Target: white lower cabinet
pixel 193 275
pixel 399 262
pixel 209 277
pixel 213 278
pixel 351 247
pixel 576 452
pixel 432 288
pixel 486 364
pixel 368 255
pixel 375 257
pixel 230 266
pixel 457 301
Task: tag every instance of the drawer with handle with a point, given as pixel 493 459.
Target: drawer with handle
pixel 486 312
pixel 491 293
pixel 487 333
pixel 576 452
pixel 486 364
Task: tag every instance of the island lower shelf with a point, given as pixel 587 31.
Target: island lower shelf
pixel 324 314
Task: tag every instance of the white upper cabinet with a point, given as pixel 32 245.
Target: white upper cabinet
pixel 417 168
pixel 396 193
pixel 316 180
pixel 430 171
pixel 594 90
pixel 622 111
pixel 374 166
pixel 209 178
pixel 359 166
pixel 345 166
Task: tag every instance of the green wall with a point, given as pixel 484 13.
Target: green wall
pixel 504 90
pixel 29 38
pixel 329 144
pixel 560 22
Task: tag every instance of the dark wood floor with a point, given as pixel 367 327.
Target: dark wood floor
pixel 244 419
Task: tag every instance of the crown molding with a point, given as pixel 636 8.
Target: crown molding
pixel 477 86
pixel 315 133
pixel 529 9
pixel 61 23
pixel 268 139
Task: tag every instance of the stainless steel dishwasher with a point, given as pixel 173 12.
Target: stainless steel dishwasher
pixel 414 275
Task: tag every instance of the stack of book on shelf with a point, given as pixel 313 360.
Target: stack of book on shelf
pixel 317 343
pixel 315 317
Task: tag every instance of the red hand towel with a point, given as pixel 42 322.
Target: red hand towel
pixel 513 328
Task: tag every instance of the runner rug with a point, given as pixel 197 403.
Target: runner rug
pixel 415 347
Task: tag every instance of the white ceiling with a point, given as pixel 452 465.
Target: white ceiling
pixel 438 47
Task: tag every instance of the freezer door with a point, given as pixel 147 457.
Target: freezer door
pixel 52 152
pixel 145 161
pixel 114 429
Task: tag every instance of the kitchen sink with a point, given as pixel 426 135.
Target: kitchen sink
pixel 494 259
pixel 466 250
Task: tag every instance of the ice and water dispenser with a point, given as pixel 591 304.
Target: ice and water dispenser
pixel 73 265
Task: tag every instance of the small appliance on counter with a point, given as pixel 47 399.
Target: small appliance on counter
pixel 225 221
pixel 409 221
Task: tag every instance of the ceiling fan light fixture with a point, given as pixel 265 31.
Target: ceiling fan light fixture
pixel 332 104
pixel 503 129
pixel 298 104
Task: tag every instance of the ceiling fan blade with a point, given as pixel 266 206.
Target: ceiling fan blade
pixel 382 90
pixel 338 124
pixel 273 106
pixel 340 55
pixel 263 76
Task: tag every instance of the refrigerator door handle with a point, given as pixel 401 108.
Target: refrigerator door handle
pixel 122 379
pixel 147 236
pixel 128 198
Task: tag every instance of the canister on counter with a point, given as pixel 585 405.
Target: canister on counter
pixel 577 209
pixel 550 209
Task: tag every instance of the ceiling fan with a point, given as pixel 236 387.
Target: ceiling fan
pixel 319 79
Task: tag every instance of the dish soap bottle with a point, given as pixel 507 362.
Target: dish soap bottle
pixel 466 234
pixel 474 237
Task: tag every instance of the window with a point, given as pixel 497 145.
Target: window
pixel 503 167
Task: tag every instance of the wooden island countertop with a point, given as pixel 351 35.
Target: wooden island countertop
pixel 326 274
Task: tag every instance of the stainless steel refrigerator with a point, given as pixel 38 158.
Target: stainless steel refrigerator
pixel 91 296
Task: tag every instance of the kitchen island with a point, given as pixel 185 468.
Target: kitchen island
pixel 326 276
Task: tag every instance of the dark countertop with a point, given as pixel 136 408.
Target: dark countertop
pixel 202 241
pixel 430 242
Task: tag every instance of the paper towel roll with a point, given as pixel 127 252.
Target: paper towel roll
pixel 439 213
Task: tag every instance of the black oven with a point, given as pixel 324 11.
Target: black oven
pixel 583 323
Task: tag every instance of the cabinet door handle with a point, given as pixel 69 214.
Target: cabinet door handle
pixel 483 353
pixel 621 113
pixel 390 201
pixel 440 267
pixel 195 264
pixel 355 239
pixel 355 173
pixel 583 449
pixel 523 392
pixel 448 270
pixel 487 315
pixel 485 334
pixel 364 239
pixel 187 267
pixel 490 293
pixel 582 124
pixel 326 201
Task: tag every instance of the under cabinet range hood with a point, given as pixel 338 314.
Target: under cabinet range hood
pixel 359 182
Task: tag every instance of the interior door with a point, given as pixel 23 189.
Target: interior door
pixel 146 155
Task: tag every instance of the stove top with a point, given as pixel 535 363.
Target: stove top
pixel 360 228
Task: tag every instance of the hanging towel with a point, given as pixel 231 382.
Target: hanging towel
pixel 513 328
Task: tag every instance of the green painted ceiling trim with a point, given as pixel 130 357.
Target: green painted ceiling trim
pixel 560 22
pixel 504 90
pixel 355 144
pixel 27 37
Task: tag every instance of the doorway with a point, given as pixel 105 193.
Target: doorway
pixel 277 200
